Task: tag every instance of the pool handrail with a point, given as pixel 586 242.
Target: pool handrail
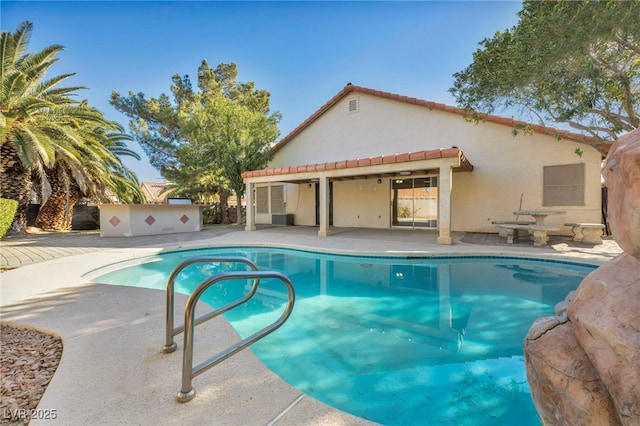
pixel 187 392
pixel 170 332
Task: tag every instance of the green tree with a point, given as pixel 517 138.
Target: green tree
pixel 202 140
pixel 571 62
pixel 90 168
pixel 232 136
pixel 122 182
pixel 34 113
pixel 195 178
pixel 50 138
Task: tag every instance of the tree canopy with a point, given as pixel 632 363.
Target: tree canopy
pixel 202 140
pixel 573 63
pixel 46 134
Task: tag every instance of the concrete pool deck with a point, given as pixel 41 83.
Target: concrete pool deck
pixel 112 370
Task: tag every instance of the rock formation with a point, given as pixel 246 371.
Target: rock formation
pixel 583 365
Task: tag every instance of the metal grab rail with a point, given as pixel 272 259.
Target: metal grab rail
pixel 187 392
pixel 170 345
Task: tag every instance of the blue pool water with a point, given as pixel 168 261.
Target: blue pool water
pixel 417 341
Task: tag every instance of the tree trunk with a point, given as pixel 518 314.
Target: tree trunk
pixel 15 183
pixel 224 206
pixel 57 212
pixel 239 207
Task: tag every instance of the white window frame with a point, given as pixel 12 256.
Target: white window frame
pixel 271 199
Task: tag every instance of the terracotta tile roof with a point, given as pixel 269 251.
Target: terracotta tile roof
pixel 406 157
pixel 350 88
pixel 153 192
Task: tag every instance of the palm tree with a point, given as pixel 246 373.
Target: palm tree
pixel 34 115
pixel 88 166
pixel 54 140
pixel 122 182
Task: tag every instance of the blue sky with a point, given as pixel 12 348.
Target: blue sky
pixel 303 53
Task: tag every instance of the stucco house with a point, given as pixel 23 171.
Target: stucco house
pixel 379 160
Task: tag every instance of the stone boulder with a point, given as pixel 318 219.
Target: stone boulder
pixel 566 387
pixel 605 314
pixel 583 365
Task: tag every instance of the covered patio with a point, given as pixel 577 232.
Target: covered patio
pixel 439 162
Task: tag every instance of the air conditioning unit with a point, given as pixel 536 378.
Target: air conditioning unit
pixel 282 219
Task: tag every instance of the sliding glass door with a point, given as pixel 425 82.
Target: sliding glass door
pixel 414 202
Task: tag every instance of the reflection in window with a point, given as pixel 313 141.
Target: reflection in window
pixel 415 202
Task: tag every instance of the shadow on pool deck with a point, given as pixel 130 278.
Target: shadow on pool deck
pixel 112 370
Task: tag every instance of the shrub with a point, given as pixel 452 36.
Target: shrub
pixel 8 210
pixel 404 212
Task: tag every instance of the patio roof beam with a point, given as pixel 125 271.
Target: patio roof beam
pixel 444 162
pixel 305 174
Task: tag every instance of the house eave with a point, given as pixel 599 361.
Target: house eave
pixel 392 165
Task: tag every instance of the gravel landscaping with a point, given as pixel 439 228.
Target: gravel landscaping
pixel 27 362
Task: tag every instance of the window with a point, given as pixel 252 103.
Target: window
pixel 262 199
pixel 277 199
pixel 270 200
pixel 415 202
pixel 563 185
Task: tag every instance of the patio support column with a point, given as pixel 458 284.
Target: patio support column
pixel 251 217
pixel 444 205
pixel 324 207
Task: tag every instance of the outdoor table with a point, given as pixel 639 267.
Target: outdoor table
pixel 538 215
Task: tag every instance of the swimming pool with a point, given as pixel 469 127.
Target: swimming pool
pixel 398 341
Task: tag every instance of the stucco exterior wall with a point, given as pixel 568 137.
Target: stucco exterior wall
pixel 361 203
pixel 505 167
pixel 129 220
pixel 302 204
pixel 357 203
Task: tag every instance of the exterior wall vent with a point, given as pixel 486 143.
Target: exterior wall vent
pixel 354 105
